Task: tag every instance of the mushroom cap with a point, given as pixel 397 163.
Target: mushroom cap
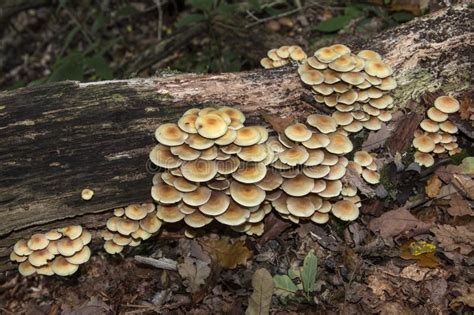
pixel 135 212
pixel 111 223
pixel 297 53
pixel 283 52
pixel 387 84
pixel 40 257
pixel 336 172
pixel 17 258
pixel 342 119
pixel 231 149
pixel 118 212
pixel 253 153
pixel 228 166
pixel 345 210
pixel 112 248
pixel 316 171
pixel 329 159
pixel 315 64
pixel 234 215
pixel 87 194
pixel 257 216
pixel 385 115
pixel 170 134
pixel 436 115
pixel 62 267
pixel 323 123
pixel 227 138
pixel 162 156
pixel 448 126
pixel 353 78
pixel 170 214
pixel 373 123
pixel 45 270
pixel 323 89
pixel 330 77
pixel 197 219
pixel 298 133
pixel 209 154
pixel 339 144
pixel 333 189
pixel 317 140
pixel 26 269
pixel 439 149
pixel 354 126
pixel 185 152
pixel 150 223
pixel 37 242
pixel 187 123
pixel 295 156
pixel 211 126
pixel 291 173
pixel 370 176
pixel 246 195
pixel 250 173
pixel 80 257
pixel 429 125
pixel 184 185
pixel 126 226
pixel 315 157
pixel 424 143
pixel 447 104
pixel 72 231
pixel 325 207
pixel 247 136
pixel 280 204
pixel 319 217
pixel 271 181
pixel 216 205
pixel 21 248
pixel 382 102
pixel 363 158
pixel 298 186
pixel 301 207
pixel 370 110
pixel 166 194
pixel 326 54
pixel 378 68
pixel 312 77
pixel 424 159
pixel 235 124
pixel 199 170
pixel 68 247
pixel 256 229
pixel 138 234
pixel 198 197
pixel 198 142
pixel 319 186
pixel 369 55
pixel 340 49
pixel 344 63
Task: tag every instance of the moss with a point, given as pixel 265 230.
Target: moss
pixel 117 98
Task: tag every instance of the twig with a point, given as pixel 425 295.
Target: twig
pixel 160 19
pixel 304 20
pixel 162 263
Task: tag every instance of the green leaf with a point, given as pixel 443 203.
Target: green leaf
pixel 353 11
pixel 333 24
pixel 101 67
pixel 190 19
pixel 401 17
pixel 284 286
pixel 468 165
pixel 204 5
pixel 308 272
pixel 68 68
pixel 227 9
pixel 261 298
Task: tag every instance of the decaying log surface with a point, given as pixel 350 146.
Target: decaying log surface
pixel 58 139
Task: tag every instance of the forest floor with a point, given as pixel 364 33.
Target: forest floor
pixel 411 251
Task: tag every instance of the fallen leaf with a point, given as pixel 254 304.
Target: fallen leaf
pixel 194 273
pixel 226 254
pixel 404 132
pixel 308 272
pixel 468 165
pixel 465 110
pixel 396 222
pixel 284 286
pixel 261 298
pixel 458 206
pixel 421 251
pixel 466 299
pixel 433 186
pixel 354 179
pixel 464 184
pixel 376 139
pixel 415 273
pixel 454 238
pixel 277 122
pixel 380 286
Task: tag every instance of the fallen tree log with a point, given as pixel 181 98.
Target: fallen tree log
pixel 60 138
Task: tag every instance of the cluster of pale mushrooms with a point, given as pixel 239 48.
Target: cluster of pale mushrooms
pixel 59 251
pixel 436 135
pixel 279 57
pixel 130 226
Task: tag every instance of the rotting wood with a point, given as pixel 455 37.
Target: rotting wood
pixel 58 139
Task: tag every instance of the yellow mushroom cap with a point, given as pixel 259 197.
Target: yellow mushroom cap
pixel 312 77
pixel 40 257
pixel 344 63
pixel 448 126
pixel 319 218
pixel 297 53
pixel 247 136
pixel 26 269
pixel 249 173
pixel 184 185
pixel 333 189
pixel 298 186
pixel 363 158
pixel 165 194
pixel 234 215
pixel 112 248
pixel 339 144
pixel 216 205
pixel 353 78
pixel 246 195
pixel 345 210
pixel 126 226
pixel 112 223
pixel 228 166
pixel 295 156
pixel 21 248
pixel 329 159
pixel 266 62
pixel 317 140
pixel 62 267
pixel 436 115
pixel 162 156
pixel 429 125
pixel 336 172
pixel 185 152
pixel 369 55
pixel 150 223
pixel 170 214
pixel 72 231
pixel 68 247
pixel 233 113
pixel 424 159
pixel 387 84
pixel 298 133
pixel 199 170
pixel 87 194
pixel 187 123
pixel 378 68
pixel 271 181
pixel 301 207
pixel 340 49
pixel 354 126
pixel 314 63
pixel 424 143
pixel 323 123
pixel 381 102
pixel 326 54
pixel 80 257
pixel 198 197
pixel 170 134
pixel 211 126
pixel 319 186
pixel 37 242
pixel 370 176
pixel 330 77
pixel 17 258
pixel 198 142
pixel 316 157
pixel 316 171
pixel 373 123
pixel 447 104
pixel 342 119
pixel 227 138
pixel 253 153
pixel 45 270
pixel 197 219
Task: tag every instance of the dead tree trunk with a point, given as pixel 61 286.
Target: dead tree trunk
pixel 58 139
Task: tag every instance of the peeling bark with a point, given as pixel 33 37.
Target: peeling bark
pixel 58 139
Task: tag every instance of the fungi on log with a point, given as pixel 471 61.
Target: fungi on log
pixel 60 138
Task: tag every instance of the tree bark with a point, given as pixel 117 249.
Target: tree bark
pixel 60 138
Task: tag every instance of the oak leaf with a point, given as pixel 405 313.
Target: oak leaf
pixel 194 273
pixel 454 238
pixel 458 206
pixel 226 254
pixel 433 186
pixel 395 222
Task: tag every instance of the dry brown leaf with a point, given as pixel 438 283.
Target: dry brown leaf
pixel 194 273
pixel 261 298
pixel 396 222
pixel 380 286
pixel 278 123
pixel 466 108
pixel 226 254
pixel 465 184
pixel 376 139
pixel 454 238
pixel 467 298
pixel 354 179
pixel 433 186
pixel 458 206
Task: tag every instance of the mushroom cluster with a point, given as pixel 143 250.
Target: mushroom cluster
pixel 130 226
pixel 436 133
pixel 279 57
pixel 59 251
pixel 309 167
pixel 355 86
pixel 213 169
